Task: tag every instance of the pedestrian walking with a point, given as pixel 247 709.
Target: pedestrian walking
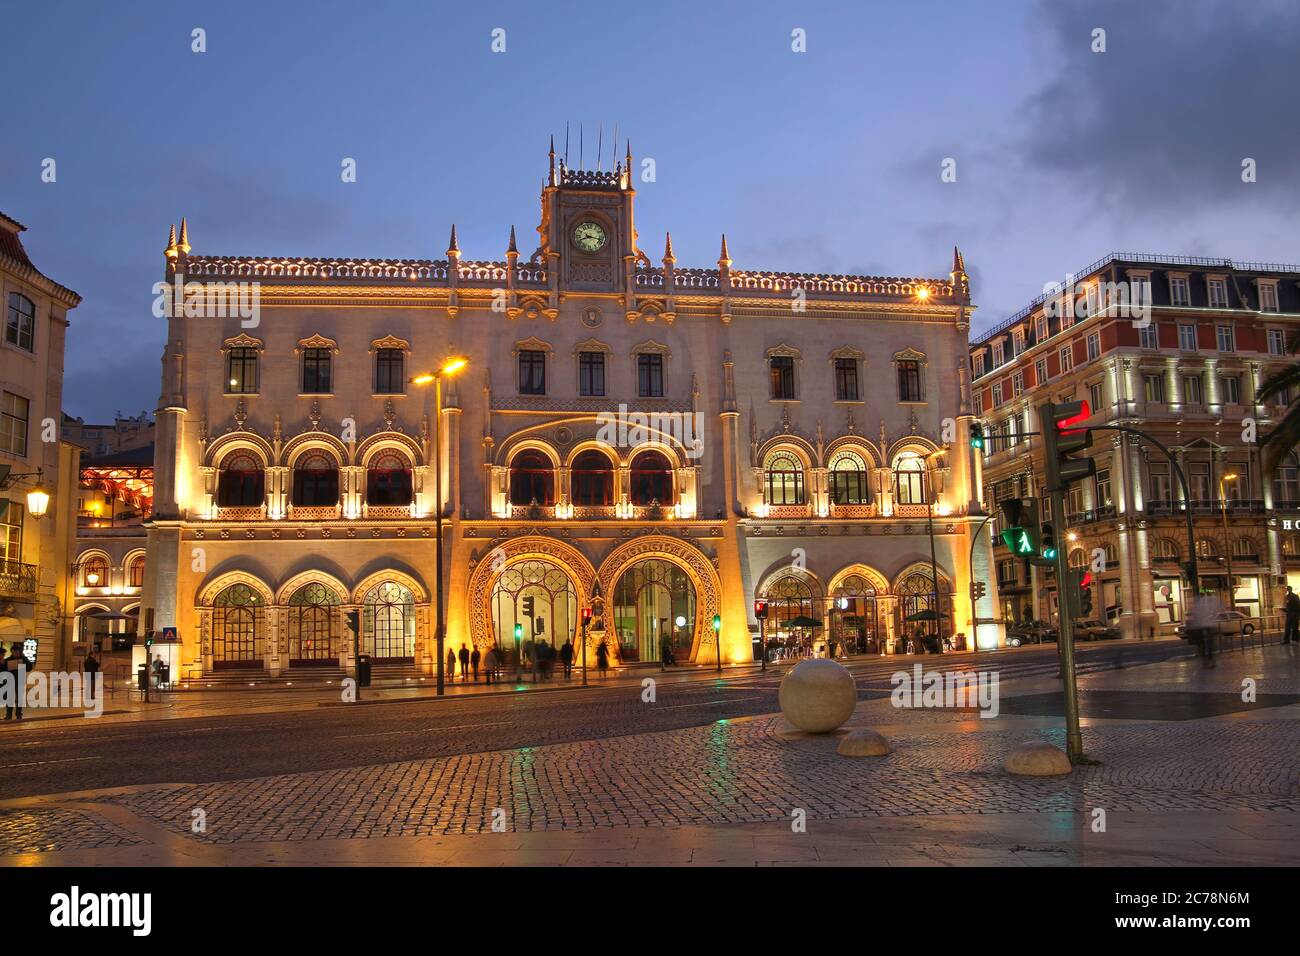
pixel 15 666
pixel 474 662
pixel 464 663
pixel 451 664
pixel 1292 606
pixel 91 667
pixel 1203 626
pixel 602 658
pixel 566 658
pixel 489 665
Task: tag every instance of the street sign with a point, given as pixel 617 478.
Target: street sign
pixel 169 634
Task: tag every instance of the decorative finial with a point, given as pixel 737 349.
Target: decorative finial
pixel 668 248
pixel 513 248
pixel 453 249
pixel 958 263
pixel 170 251
pixel 725 257
pixel 184 244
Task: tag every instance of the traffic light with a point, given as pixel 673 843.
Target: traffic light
pixel 528 607
pixel 717 622
pixel 760 610
pixel 1085 594
pixel 519 632
pixel 978 589
pixel 1079 593
pixel 1047 547
pixel 1020 528
pixel 354 621
pixel 976 435
pixel 1063 436
pixel 586 615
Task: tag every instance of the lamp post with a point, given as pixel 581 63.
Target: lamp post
pixel 1227 544
pixel 717 639
pixel 929 522
pixel 450 367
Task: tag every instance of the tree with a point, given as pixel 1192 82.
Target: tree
pixel 1285 435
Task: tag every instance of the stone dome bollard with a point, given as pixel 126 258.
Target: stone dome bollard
pixel 1037 758
pixel 818 695
pixel 865 743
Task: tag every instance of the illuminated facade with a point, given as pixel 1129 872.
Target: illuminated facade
pixel 662 443
pixel 1187 371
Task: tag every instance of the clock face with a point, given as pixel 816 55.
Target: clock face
pixel 589 237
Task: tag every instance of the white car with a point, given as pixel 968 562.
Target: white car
pixel 1231 624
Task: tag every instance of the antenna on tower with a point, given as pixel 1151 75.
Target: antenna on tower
pixel 613 163
pixel 580 145
pixel 600 144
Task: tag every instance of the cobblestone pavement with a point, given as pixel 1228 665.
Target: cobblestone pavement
pixel 1235 775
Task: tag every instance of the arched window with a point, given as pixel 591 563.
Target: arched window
pixel 532 479
pixel 313 625
pixel 790 606
pixel 849 484
pixel 315 481
pixel 388 480
pixel 909 479
pixel 591 479
pixel 1205 548
pixel 388 622
pixel 1166 549
pixel 241 482
pixel 784 479
pixel 654 604
pixel 135 572
pixel 237 623
pixel 1244 548
pixel 1291 545
pixel 1078 559
pixel 20 327
pixel 94 572
pixel 1286 481
pixel 652 479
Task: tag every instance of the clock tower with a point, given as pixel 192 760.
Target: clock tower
pixel 587 235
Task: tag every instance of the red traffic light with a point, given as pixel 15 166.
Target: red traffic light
pixel 1087 580
pixel 586 615
pixel 1066 425
pixel 760 610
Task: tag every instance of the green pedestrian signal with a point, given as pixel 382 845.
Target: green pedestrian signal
pixel 1049 543
pixel 1019 541
pixel 976 435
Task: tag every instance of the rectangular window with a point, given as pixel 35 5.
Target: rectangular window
pixel 1187 338
pixel 591 374
pixel 1094 396
pixel 1040 328
pixel 1040 371
pixel 1148 338
pixel 997 355
pixel 11 533
pixel 1227 338
pixel 781 372
pixel 1276 342
pixel 1198 480
pixel 315 371
pixel 1193 392
pixel 846 380
pixel 241 368
pixel 650 375
pixel 1160 484
pixel 1229 390
pixel 1218 293
pixel 1094 347
pixel 1017 342
pixel 389 376
pixel 997 394
pixel 20 327
pixel 979 364
pixel 909 381
pixel 13 424
pixel 1153 386
pixel 532 372
pixel 1267 297
pixel 1178 291
pixel 1103 498
pixel 1018 384
pixel 979 403
pixel 1066 356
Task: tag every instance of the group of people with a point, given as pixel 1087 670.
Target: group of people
pixel 533 654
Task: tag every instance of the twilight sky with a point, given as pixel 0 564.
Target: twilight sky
pixel 823 161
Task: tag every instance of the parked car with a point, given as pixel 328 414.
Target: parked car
pixel 1231 624
pixel 1094 630
pixel 1030 632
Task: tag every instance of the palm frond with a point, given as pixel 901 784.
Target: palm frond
pixel 1281 439
pixel 1278 382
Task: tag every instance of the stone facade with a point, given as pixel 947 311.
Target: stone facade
pixel 665 444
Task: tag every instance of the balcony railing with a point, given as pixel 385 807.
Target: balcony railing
pixel 17 579
pixel 1202 506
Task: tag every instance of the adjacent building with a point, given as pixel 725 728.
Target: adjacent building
pixel 1177 347
pixel 35 542
pixel 663 444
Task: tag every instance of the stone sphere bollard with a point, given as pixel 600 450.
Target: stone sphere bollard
pixel 865 743
pixel 818 695
pixel 1037 758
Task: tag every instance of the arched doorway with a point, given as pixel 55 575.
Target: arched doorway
pixel 653 602
pixel 789 598
pixel 540 598
pixel 238 628
pixel 916 592
pixel 313 626
pixel 855 616
pixel 388 623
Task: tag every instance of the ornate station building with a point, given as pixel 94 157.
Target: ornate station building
pixel 663 444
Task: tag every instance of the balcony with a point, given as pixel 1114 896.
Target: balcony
pixel 18 581
pixel 1091 515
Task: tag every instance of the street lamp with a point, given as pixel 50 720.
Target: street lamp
pixel 38 499
pixel 449 367
pixel 1227 544
pixel 717 638
pixel 934 569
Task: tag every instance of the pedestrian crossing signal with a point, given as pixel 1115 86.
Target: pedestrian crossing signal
pixel 1019 541
pixel 976 435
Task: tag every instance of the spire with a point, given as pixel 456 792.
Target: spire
pixel 170 251
pixel 184 244
pixel 513 248
pixel 668 248
pixel 958 263
pixel 629 156
pixel 551 155
pixel 453 249
pixel 725 257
